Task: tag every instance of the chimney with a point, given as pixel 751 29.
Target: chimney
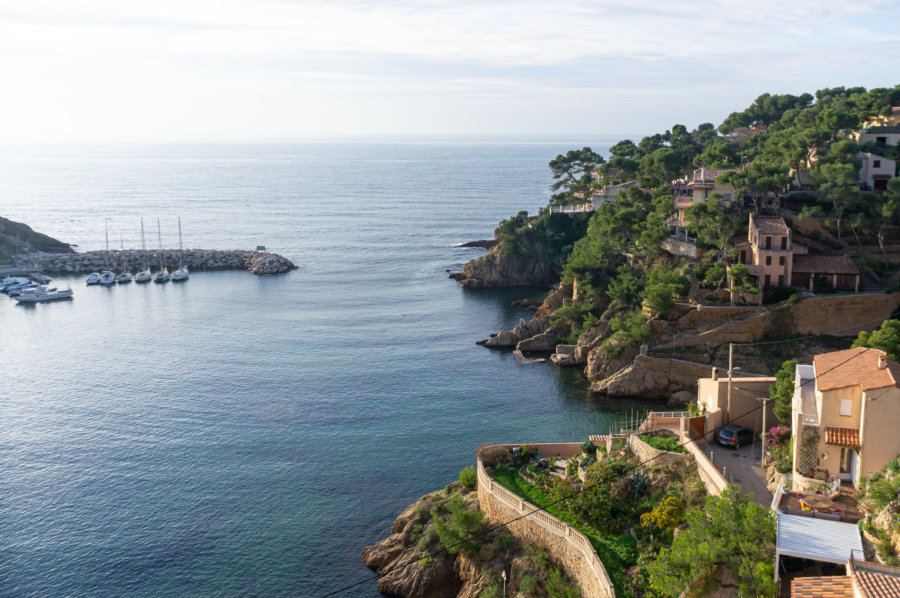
pixel 881 361
pixel 715 373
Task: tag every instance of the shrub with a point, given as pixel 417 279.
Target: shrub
pixel 507 541
pixel 588 447
pixel 558 586
pixel 528 585
pixel 425 562
pixel 456 532
pixel 492 456
pixel 468 477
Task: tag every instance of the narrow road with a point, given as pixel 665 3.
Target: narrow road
pixel 743 465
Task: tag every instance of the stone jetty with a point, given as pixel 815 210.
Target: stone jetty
pixel 199 260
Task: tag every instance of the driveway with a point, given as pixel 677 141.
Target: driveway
pixel 743 467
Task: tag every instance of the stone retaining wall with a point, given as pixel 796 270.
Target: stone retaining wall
pixel 714 480
pixel 567 545
pixel 845 315
pixel 654 457
pixel 256 262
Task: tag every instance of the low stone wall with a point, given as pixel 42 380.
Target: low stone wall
pixel 569 546
pixel 845 315
pixel 704 316
pixel 256 262
pixel 654 457
pixel 714 480
pixel 676 247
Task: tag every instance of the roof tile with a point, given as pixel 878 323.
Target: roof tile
pixel 821 587
pixel 855 367
pixel 847 437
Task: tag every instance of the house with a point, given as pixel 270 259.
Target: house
pixel 875 171
pixel 702 184
pixel 746 395
pixel 775 260
pixel 862 580
pixel 885 135
pixel 845 416
pixel 889 120
pixel 610 192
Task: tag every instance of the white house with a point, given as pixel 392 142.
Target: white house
pixel 875 171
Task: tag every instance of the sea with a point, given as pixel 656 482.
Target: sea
pixel 237 435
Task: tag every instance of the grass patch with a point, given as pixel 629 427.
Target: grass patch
pixel 617 551
pixel 668 443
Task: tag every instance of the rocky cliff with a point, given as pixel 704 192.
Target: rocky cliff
pixel 16 237
pixel 497 268
pixel 412 564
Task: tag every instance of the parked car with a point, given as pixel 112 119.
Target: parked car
pixel 734 436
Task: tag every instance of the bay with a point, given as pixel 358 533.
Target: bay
pixel 246 436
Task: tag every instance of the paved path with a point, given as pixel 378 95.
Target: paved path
pixel 743 465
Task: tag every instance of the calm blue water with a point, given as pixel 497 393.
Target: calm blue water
pixel 245 436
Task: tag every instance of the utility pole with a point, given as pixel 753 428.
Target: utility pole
pixel 762 454
pixel 730 364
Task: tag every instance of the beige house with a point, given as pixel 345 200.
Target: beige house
pixel 702 184
pixel 845 415
pixel 886 135
pixel 875 171
pixel 772 257
pixel 746 395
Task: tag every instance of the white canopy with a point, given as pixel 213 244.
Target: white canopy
pixel 816 540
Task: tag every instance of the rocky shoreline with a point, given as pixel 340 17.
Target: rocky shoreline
pixel 255 262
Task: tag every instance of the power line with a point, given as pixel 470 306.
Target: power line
pixel 564 498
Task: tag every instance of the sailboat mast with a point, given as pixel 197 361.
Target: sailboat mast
pixel 106 225
pixel 143 244
pixel 159 233
pixel 180 245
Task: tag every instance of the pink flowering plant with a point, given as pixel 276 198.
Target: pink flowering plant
pixel 778 435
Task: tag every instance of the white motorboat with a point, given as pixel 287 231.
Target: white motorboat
pixel 42 295
pixel 107 278
pixel 13 281
pixel 19 289
pixel 162 276
pixel 182 273
pixel 93 278
pixel 143 276
pixel 124 278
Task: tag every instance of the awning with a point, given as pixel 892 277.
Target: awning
pixel 846 437
pixel 817 539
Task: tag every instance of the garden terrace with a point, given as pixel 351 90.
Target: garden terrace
pixel 844 501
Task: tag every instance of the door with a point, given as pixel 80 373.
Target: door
pixel 854 467
pixel 844 472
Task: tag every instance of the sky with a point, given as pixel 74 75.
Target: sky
pixel 76 71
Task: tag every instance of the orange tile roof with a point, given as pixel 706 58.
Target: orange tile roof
pixel 821 587
pixel 770 225
pixel 877 584
pixel 824 264
pixel 855 367
pixel 848 437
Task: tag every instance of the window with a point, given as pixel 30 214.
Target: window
pixel 781 280
pixel 768 280
pixel 781 260
pixel 784 242
pixel 768 260
pixel 768 242
pixel 876 163
pixel 881 140
pixel 846 407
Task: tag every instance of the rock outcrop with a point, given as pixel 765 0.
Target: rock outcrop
pixel 255 262
pixel 498 268
pixel 652 378
pixel 412 564
pixel 16 237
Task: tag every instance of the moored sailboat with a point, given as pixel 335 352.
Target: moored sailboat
pixel 182 273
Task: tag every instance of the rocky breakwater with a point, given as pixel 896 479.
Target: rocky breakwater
pixel 413 563
pixel 255 262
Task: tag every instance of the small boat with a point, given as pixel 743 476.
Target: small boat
pixel 143 276
pixel 13 281
pixel 93 278
pixel 124 278
pixel 42 295
pixel 107 278
pixel 19 289
pixel 162 276
pixel 182 273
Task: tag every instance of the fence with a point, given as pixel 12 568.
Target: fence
pixel 599 580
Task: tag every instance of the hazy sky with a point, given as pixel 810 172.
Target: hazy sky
pixel 259 70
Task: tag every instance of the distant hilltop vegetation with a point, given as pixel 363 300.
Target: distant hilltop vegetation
pixel 16 237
